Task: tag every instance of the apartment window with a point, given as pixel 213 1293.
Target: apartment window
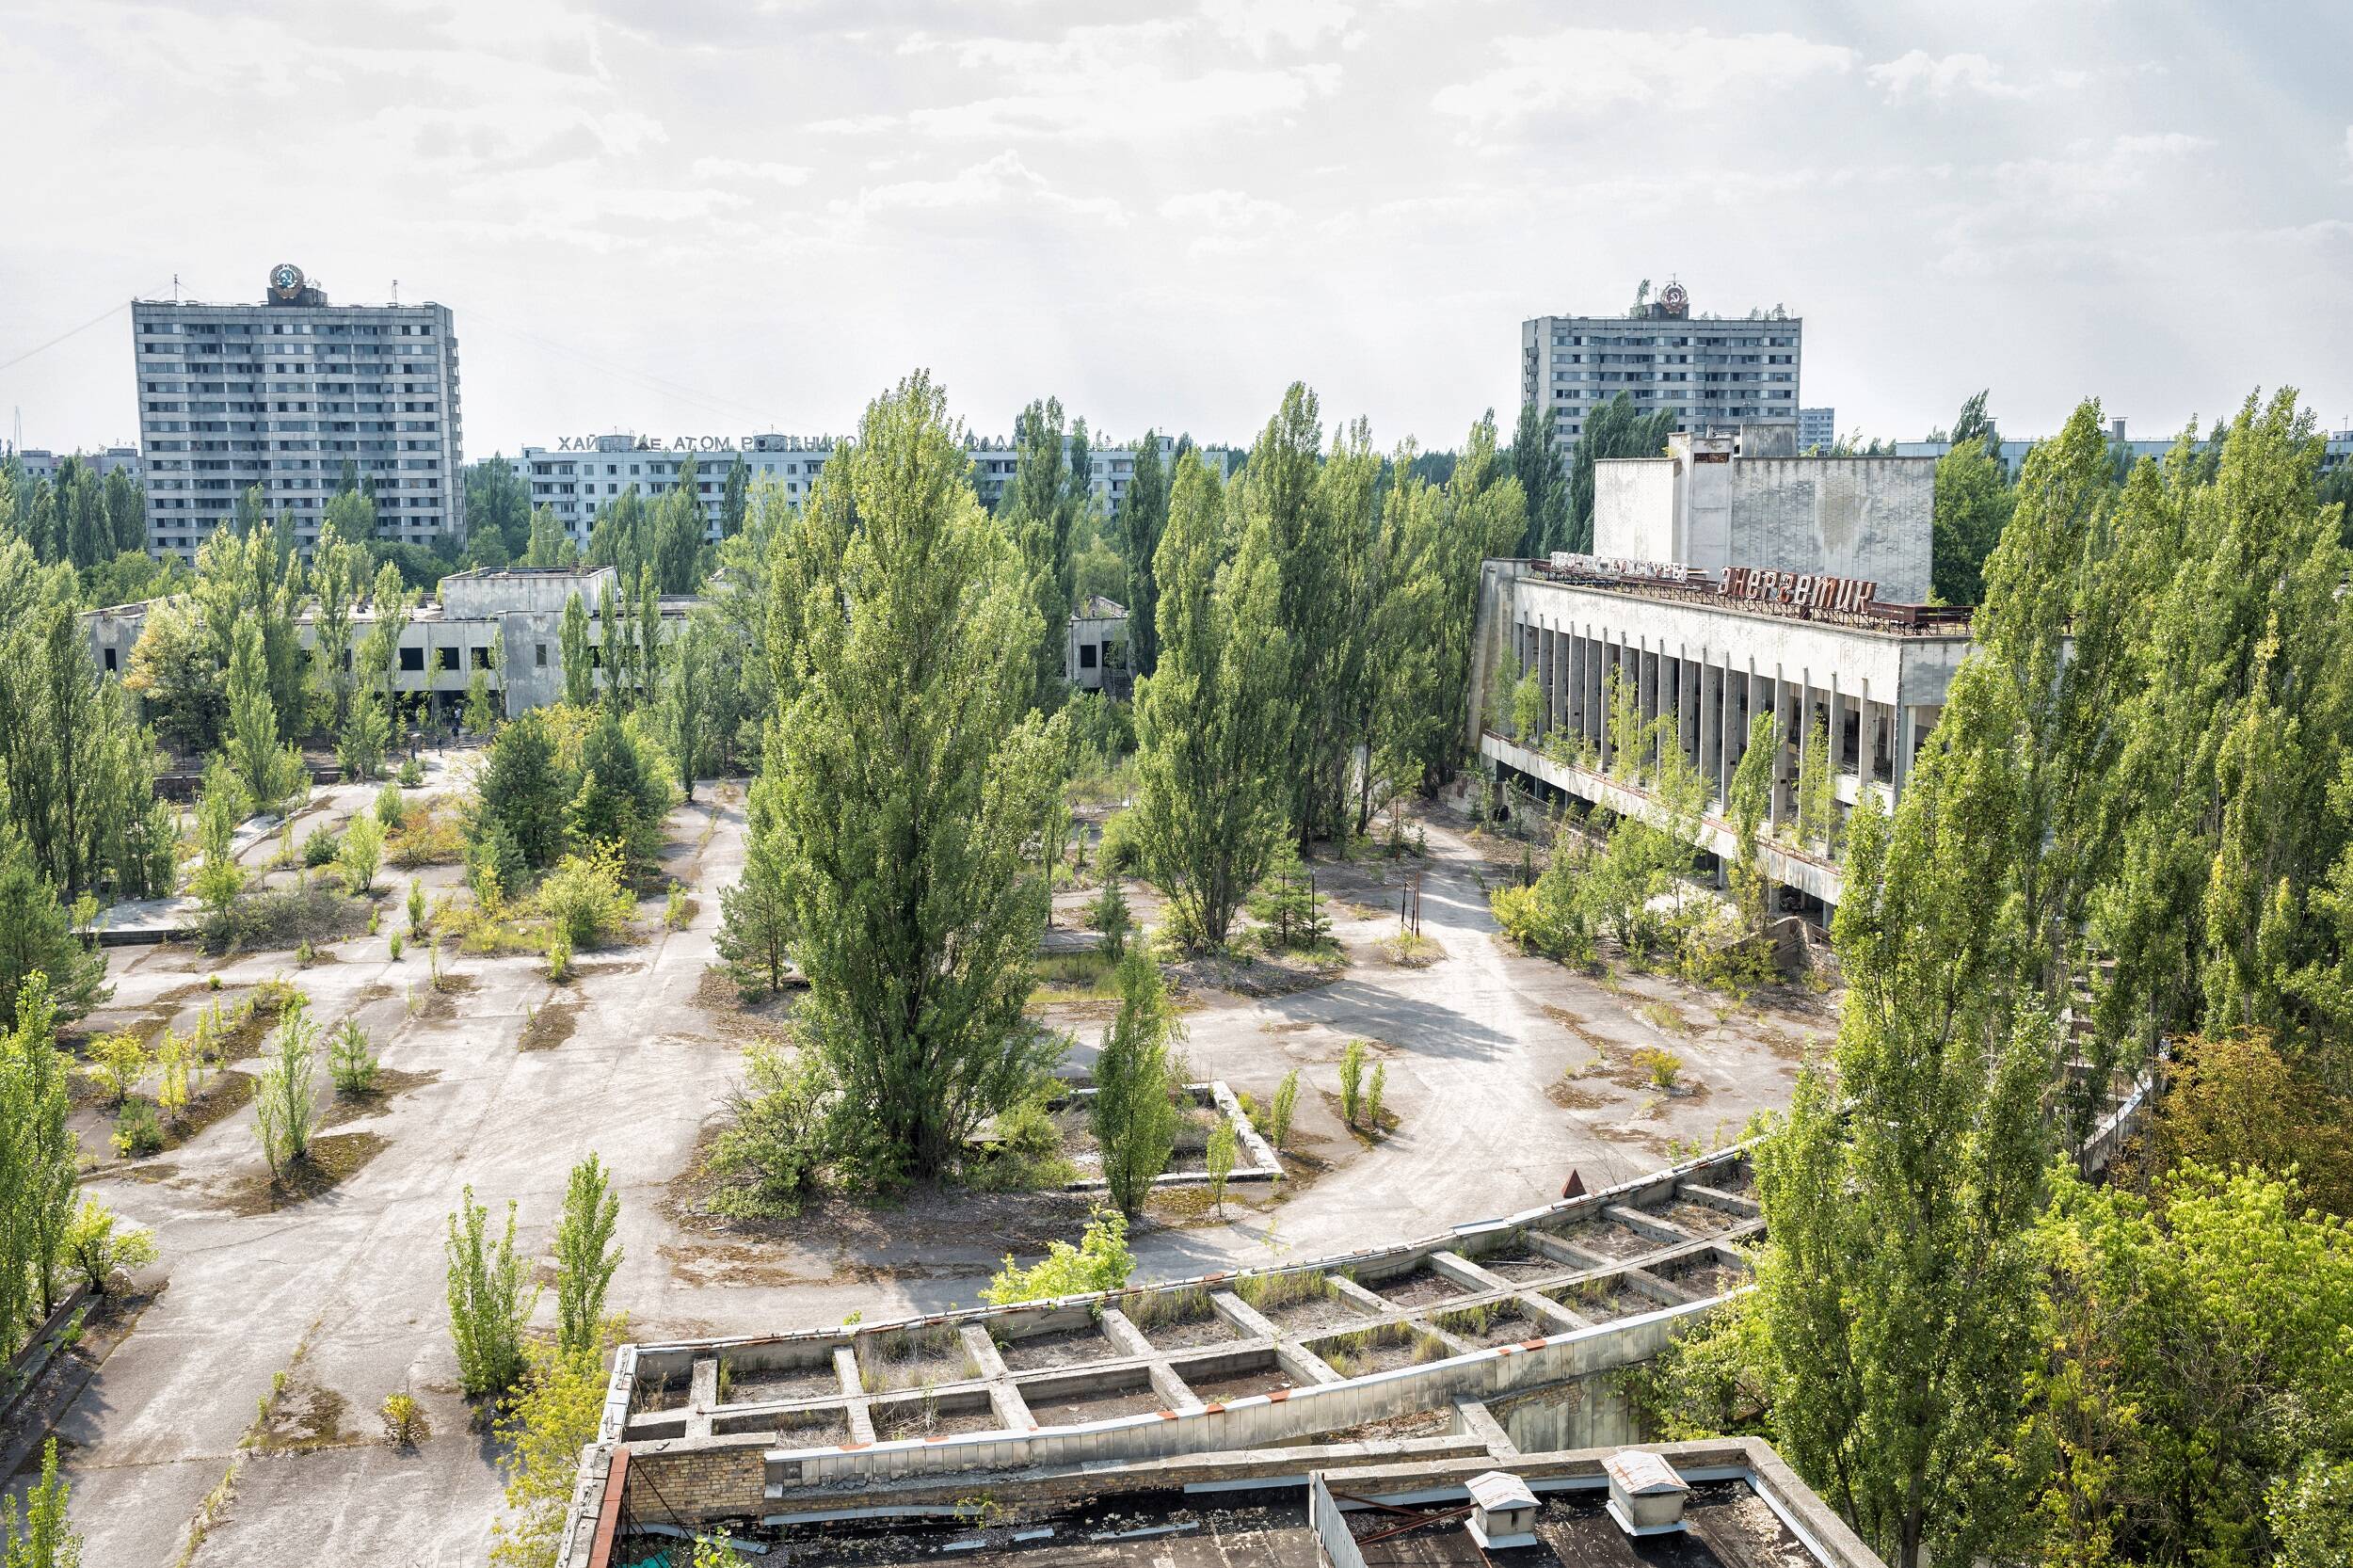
pixel 482 658
pixel 539 656
pixel 449 659
pixel 413 659
pixel 1086 656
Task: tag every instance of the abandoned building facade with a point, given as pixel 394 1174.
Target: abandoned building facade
pixel 1729 578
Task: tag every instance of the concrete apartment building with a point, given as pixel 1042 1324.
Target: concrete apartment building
pixel 577 479
pixel 1711 372
pixel 1727 585
pixel 285 392
pixel 1817 428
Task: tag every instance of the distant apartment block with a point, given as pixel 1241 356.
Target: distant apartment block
pixel 287 392
pixel 1817 427
pixel 2014 453
pixel 578 479
pixel 1713 372
pixel 40 463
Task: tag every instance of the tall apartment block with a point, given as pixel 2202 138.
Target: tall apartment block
pixel 284 394
pixel 1714 372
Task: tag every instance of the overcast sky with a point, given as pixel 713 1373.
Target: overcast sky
pixel 685 216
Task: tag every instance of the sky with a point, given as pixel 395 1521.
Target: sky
pixel 720 216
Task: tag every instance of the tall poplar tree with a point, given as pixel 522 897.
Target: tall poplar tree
pixel 1040 512
pixel 1142 516
pixel 1536 464
pixel 1213 721
pixel 913 788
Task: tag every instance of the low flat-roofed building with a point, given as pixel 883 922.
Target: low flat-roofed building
pixel 1376 1503
pixel 449 637
pixel 1495 1337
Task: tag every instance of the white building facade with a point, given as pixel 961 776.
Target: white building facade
pixel 1711 372
pixel 1747 498
pixel 284 394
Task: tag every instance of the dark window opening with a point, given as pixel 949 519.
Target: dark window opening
pixel 482 658
pixel 110 659
pixel 540 655
pixel 413 659
pixel 1086 656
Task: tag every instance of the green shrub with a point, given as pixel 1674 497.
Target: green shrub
pixel 585 898
pixel 411 775
pixel 137 1130
pixel 1351 1080
pixel 783 1135
pixel 361 855
pixel 1221 1155
pixel 319 848
pixel 98 1251
pixel 1286 1100
pixel 117 1065
pixel 488 1303
pixel 1120 852
pixel 1664 1067
pixel 1135 1121
pixel 1373 1096
pixel 349 1062
pixel 1100 1261
pixel 283 1102
pixel 404 1425
pixel 1027 1154
pixel 390 807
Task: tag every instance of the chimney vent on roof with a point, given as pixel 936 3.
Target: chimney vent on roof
pixel 1503 1512
pixel 1646 1496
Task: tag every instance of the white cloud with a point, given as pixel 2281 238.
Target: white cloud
pixel 1142 106
pixel 738 168
pixel 1921 75
pixel 1003 182
pixel 1587 71
pixel 1261 25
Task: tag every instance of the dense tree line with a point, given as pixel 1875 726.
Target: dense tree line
pixel 2134 806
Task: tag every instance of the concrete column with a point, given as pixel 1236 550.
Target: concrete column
pixel 1544 681
pixel 1907 729
pixel 1780 704
pixel 1709 719
pixel 1866 761
pixel 1690 710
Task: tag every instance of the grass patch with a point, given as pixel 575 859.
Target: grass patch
pixel 913 1358
pixel 1409 950
pixel 1077 977
pixel 1161 1308
pixel 1273 1292
pixel 550 1024
pixel 282 917
pixel 1665 1016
